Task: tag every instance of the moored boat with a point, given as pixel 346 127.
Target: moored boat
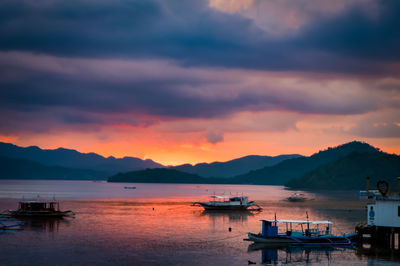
pixel 297 197
pixel 227 203
pixel 39 209
pixel 317 233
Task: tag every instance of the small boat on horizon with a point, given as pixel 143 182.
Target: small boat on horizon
pixel 297 197
pixel 39 209
pixel 227 203
pixel 310 233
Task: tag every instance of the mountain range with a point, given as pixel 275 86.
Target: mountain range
pixel 98 165
pixel 350 172
pixel 342 167
pixel 11 168
pixel 234 167
pixel 76 165
pixel 281 173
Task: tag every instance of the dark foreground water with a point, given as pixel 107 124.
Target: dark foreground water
pixel 155 224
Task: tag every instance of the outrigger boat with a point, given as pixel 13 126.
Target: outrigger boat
pixel 318 233
pixel 227 203
pixel 39 209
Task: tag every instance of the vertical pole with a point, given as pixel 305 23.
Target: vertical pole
pixel 398 241
pixel 392 238
pixel 398 185
pixel 367 186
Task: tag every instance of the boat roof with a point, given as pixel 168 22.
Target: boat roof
pixel 37 201
pixel 298 222
pixel 226 197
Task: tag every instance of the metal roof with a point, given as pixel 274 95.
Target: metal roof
pixel 226 197
pixel 35 201
pixel 298 222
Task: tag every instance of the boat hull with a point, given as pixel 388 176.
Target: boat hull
pixel 226 207
pixel 40 213
pixel 303 240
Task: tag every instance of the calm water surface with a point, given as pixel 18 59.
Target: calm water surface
pixel 155 224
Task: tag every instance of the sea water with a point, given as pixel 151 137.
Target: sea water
pixel 156 224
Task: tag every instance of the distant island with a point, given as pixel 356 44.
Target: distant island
pixel 163 175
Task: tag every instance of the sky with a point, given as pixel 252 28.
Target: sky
pixel 189 81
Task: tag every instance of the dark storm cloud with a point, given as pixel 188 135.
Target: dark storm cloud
pixel 356 35
pixel 110 91
pixel 194 34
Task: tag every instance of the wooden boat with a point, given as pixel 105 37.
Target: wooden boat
pixel 227 203
pixel 39 209
pixel 318 233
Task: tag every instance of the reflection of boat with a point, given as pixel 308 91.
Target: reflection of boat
pixel 46 224
pixel 39 209
pixel 7 223
pixel 376 252
pixel 227 203
pixel 233 216
pixel 297 255
pixel 310 233
pixel 296 197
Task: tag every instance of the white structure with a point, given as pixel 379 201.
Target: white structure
pixel 385 211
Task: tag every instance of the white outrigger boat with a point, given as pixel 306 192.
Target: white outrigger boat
pixel 317 233
pixel 227 203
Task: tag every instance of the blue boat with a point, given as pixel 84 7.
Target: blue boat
pixel 7 223
pixel 317 233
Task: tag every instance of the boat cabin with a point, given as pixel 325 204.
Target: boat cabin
pixel 231 200
pixel 364 194
pixel 38 206
pixel 297 228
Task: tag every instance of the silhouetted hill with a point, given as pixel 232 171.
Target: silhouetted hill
pixel 281 173
pixel 25 169
pixel 350 172
pixel 162 175
pixel 74 159
pixel 234 167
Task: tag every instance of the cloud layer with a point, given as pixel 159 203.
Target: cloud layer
pixel 212 68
